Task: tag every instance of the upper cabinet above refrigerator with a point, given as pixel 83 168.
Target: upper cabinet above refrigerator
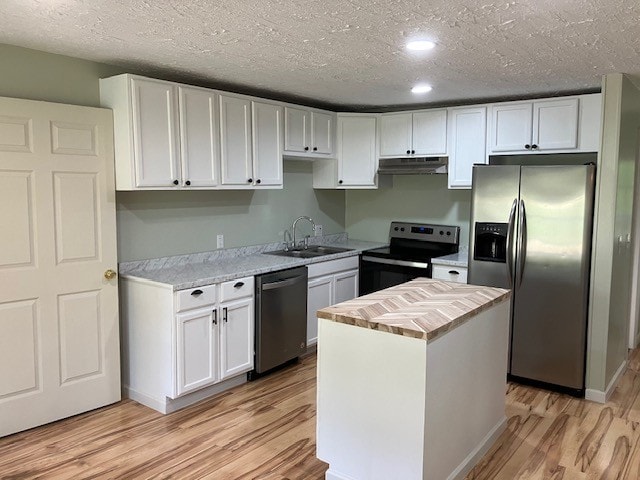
pixel 556 125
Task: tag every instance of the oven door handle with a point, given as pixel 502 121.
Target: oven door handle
pixel 389 261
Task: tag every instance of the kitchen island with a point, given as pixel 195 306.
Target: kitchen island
pixel 411 381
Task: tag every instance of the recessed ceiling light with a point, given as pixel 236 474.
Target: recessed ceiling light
pixel 420 45
pixel 421 89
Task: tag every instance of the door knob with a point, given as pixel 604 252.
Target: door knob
pixel 109 274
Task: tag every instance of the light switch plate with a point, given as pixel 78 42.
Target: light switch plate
pixel 220 241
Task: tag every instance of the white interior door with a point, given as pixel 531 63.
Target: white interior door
pixel 59 340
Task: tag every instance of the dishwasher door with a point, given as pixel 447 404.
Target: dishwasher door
pixel 281 317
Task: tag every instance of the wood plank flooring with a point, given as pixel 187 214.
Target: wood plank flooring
pixel 266 430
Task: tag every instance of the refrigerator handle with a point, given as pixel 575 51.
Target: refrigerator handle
pixel 510 229
pixel 522 242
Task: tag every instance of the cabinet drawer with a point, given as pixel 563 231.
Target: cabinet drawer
pixel 195 297
pixel 239 288
pixel 332 266
pixel 449 273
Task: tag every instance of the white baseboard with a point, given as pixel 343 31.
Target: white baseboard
pixel 169 405
pixel 474 457
pixel 602 397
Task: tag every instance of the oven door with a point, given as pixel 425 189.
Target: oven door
pixel 377 273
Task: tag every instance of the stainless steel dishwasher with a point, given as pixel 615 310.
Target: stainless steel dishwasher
pixel 281 317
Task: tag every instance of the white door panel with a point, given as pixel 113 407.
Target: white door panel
pixel 59 339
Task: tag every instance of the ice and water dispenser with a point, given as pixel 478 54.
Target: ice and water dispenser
pixel 491 242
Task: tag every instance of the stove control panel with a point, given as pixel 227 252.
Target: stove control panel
pixel 425 232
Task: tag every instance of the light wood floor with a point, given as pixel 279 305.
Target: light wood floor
pixel 266 430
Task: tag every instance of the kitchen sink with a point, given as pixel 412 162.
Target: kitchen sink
pixel 312 252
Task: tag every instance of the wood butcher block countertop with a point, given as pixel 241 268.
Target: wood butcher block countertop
pixel 422 308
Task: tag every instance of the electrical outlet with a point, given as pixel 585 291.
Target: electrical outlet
pixel 317 232
pixel 220 241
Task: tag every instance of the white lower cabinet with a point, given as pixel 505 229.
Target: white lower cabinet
pixel 196 349
pixel 449 273
pixel 180 347
pixel 330 282
pixel 236 337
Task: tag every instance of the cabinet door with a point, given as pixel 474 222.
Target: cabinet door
pixel 319 295
pixel 235 141
pixel 345 286
pixel 155 133
pixel 297 129
pixel 322 128
pixel 197 349
pixel 467 143
pixel 430 132
pixel 236 337
pixel 510 127
pixel 199 137
pixel 356 151
pixel 555 124
pixel 395 134
pixel 267 144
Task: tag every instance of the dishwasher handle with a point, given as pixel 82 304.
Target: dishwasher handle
pixel 282 283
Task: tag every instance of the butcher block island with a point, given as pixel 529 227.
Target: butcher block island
pixel 412 380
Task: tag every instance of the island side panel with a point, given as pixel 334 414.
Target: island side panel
pixel 371 403
pixel 466 386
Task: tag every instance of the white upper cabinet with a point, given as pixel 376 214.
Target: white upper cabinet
pixel 555 124
pixel 545 125
pixel 422 133
pixel 235 141
pixel 308 133
pixel 170 136
pixel 154 110
pixel 467 143
pixel 356 163
pixel 267 144
pixel 199 147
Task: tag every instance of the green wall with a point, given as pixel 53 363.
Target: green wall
pixel 51 78
pixel 155 224
pixel 419 198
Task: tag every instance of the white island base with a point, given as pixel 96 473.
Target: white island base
pixel 396 407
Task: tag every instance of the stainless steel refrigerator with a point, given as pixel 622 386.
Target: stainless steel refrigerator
pixel 531 230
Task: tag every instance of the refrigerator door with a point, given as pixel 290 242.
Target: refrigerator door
pixel 552 274
pixel 495 193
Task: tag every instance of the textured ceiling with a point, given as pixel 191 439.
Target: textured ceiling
pixel 347 53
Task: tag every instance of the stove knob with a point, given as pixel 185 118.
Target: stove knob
pixel 396 229
pixel 441 232
pixel 402 229
pixel 448 233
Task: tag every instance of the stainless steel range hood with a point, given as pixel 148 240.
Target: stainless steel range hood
pixel 412 166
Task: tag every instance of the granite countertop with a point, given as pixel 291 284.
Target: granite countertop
pixel 196 270
pixel 421 308
pixel 460 259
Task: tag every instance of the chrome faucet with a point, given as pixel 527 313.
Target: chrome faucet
pixel 293 229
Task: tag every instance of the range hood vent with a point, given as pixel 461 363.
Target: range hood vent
pixel 412 166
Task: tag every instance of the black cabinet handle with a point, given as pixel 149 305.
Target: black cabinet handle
pixel 195 293
pixel 215 317
pixel 534 146
pixel 258 181
pixel 239 285
pixel 408 152
pixel 176 182
pixel 527 146
pixel 306 149
pixel 187 183
pixel 315 149
pixel 413 151
pixel 340 182
pixel 250 180
pixel 454 272
pixel 224 314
